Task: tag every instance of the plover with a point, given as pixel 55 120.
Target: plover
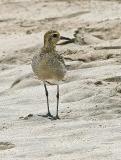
pixel 49 65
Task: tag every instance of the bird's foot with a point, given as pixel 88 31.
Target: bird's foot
pixel 48 115
pixel 56 117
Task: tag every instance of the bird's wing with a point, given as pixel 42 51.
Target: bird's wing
pixel 61 59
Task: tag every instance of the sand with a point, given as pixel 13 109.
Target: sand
pixel 90 96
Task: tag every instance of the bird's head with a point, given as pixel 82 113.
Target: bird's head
pixel 51 39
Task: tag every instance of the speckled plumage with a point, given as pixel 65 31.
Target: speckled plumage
pixel 48 64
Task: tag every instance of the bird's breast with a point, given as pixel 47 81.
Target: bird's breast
pixel 48 67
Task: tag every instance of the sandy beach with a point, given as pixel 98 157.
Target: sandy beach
pixel 90 95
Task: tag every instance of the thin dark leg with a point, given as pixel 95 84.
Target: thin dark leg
pixel 46 92
pixel 57 117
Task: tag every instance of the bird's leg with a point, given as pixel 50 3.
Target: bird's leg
pixel 57 117
pixel 46 92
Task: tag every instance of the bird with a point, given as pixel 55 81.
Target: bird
pixel 49 65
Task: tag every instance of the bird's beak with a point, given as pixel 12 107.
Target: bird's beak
pixel 68 40
pixel 64 38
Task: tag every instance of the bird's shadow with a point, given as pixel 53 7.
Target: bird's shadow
pixel 44 116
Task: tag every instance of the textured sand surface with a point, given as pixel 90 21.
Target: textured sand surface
pixel 90 95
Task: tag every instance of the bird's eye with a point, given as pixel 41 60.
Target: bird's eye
pixel 55 35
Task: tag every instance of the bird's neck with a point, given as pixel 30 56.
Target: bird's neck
pixel 49 47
